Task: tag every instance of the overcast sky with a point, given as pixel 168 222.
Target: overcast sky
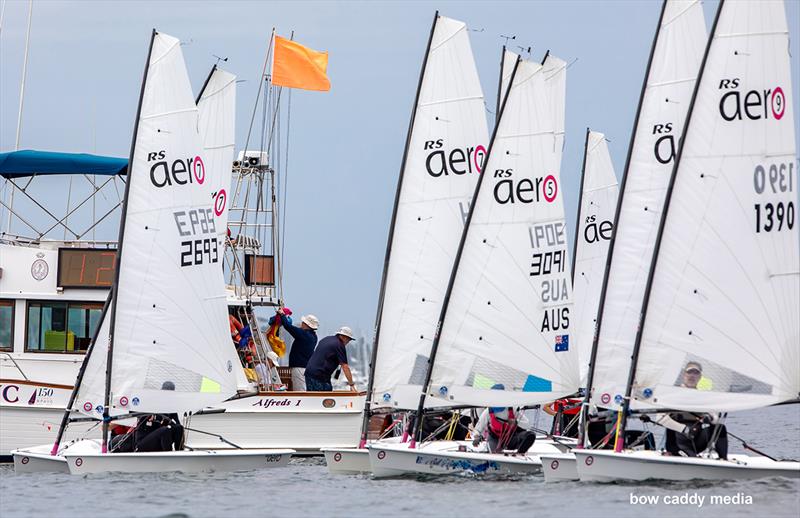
pixel 86 61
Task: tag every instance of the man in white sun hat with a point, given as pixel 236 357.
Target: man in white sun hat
pixel 329 354
pixel 305 339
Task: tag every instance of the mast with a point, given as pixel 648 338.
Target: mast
pixel 618 445
pixel 381 297
pixel 454 271
pixel 115 286
pixel 65 419
pixel 205 84
pixel 500 84
pixel 21 103
pixel 580 201
pixel 610 255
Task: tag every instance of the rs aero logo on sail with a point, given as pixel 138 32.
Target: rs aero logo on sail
pixel 442 161
pixel 756 104
pixel 165 171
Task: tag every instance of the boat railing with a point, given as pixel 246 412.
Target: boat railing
pixel 18 240
pixel 13 361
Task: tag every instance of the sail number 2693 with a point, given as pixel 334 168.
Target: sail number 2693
pixel 199 251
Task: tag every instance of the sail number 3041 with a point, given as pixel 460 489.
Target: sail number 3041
pixel 774 179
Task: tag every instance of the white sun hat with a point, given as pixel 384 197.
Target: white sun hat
pixel 346 331
pixel 311 321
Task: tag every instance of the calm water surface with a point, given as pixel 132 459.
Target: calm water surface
pixel 305 489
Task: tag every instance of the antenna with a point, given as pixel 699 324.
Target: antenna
pixel 224 60
pixel 507 38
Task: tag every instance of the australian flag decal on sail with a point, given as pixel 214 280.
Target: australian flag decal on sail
pixel 562 343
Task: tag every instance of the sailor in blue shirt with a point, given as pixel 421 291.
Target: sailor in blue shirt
pixel 305 339
pixel 329 354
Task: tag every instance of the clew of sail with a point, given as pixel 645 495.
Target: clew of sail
pixel 725 290
pixel 445 153
pixel 599 191
pixel 674 64
pixel 170 322
pixel 507 321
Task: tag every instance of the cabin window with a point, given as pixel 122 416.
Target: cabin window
pixel 6 325
pixel 61 327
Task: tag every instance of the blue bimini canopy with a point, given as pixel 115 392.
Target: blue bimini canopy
pixel 17 164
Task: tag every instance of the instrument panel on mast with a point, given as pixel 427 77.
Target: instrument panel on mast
pixel 86 268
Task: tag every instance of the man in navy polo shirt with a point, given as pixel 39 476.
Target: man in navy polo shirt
pixel 305 339
pixel 329 354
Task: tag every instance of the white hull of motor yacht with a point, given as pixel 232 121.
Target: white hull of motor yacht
pixel 85 457
pixel 559 467
pixel 302 421
pixel 434 459
pixel 609 466
pixel 30 413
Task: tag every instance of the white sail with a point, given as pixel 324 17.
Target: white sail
pixel 594 227
pixel 445 154
pixel 508 317
pixel 171 322
pixel 506 68
pixel 217 112
pixel 217 118
pixel 680 42
pixel 726 288
pixel 91 392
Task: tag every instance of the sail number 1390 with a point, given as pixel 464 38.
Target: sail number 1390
pixel 774 179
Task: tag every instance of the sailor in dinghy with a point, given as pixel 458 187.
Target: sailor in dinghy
pixel 723 287
pixel 675 55
pixel 426 224
pixel 523 343
pixel 144 358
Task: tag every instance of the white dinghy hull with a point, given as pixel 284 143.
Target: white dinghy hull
pixel 394 461
pixel 347 461
pixel 352 461
pixel 608 466
pixel 86 458
pixel 38 460
pixel 559 467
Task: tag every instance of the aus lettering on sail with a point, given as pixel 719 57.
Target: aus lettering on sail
pixel 548 256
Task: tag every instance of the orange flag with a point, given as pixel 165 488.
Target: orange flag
pixel 296 66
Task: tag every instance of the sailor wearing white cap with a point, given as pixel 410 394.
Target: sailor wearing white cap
pixel 305 339
pixel 329 354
